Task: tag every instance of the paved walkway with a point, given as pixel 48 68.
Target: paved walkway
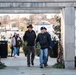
pixel 17 66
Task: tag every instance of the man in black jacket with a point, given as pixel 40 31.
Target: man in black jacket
pixel 29 37
pixel 44 40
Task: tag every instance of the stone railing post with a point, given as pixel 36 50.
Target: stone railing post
pixel 68 36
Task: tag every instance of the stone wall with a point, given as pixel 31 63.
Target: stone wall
pixel 38 1
pixel 34 7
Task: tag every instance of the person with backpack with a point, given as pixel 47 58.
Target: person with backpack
pixel 29 37
pixel 43 39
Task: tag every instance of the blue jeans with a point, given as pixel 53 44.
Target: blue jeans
pixel 16 51
pixel 43 56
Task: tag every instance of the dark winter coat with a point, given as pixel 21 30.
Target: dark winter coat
pixel 29 37
pixel 44 40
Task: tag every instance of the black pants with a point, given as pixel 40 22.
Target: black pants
pixel 31 52
pixel 11 50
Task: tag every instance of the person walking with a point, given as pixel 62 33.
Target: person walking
pixel 43 40
pixel 15 42
pixel 29 37
pixel 11 46
pixel 49 43
pixel 18 43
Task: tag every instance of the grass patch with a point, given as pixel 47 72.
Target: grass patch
pixel 2 65
pixel 58 65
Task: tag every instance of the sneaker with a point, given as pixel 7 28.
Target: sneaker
pixel 41 66
pixel 45 65
pixel 14 56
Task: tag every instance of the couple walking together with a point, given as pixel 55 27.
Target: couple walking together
pixel 44 40
pixel 15 44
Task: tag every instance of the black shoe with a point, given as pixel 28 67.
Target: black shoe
pixel 45 65
pixel 32 62
pixel 41 66
pixel 28 65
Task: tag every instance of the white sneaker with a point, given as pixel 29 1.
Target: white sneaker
pixel 14 56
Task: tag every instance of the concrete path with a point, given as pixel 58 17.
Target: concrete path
pixel 18 66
